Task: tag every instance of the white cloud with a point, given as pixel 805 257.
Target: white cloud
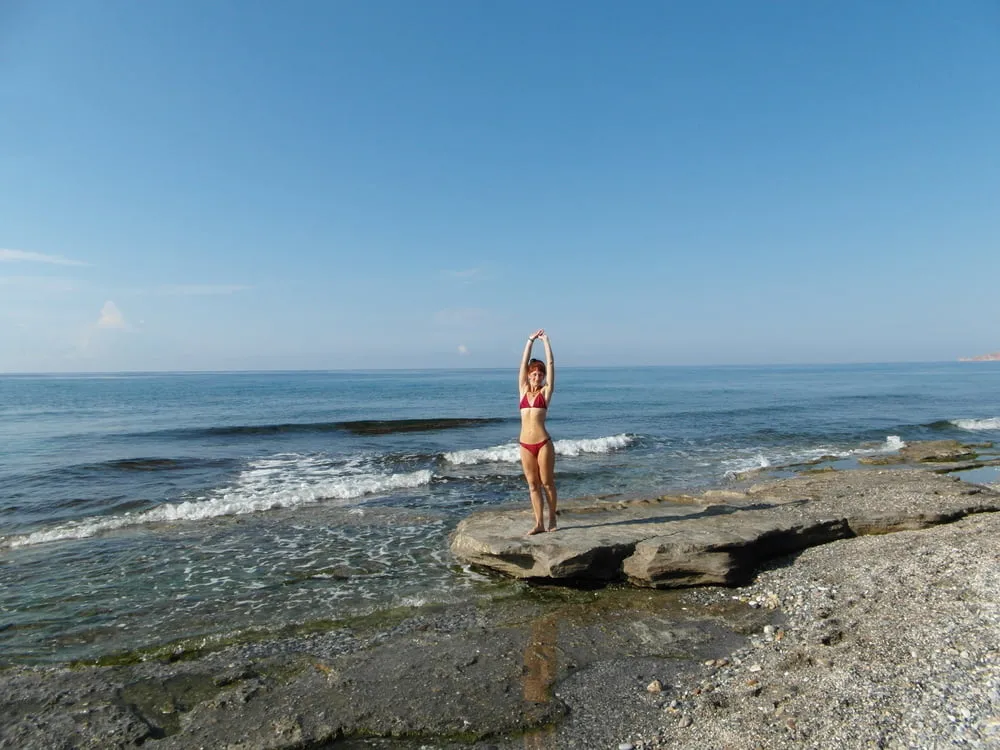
pixel 463 349
pixel 94 343
pixel 111 316
pixel 202 289
pixel 14 256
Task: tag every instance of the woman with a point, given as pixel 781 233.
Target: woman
pixel 538 456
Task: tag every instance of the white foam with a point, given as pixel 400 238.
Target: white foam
pixel 593 445
pixel 791 456
pixel 893 443
pixel 511 453
pixel 977 425
pixel 278 482
pixel 742 465
pixel 500 454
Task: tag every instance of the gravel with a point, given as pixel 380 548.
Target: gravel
pixel 877 642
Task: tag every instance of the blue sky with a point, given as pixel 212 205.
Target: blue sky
pixel 223 184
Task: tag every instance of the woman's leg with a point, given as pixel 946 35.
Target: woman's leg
pixel 529 462
pixel 546 472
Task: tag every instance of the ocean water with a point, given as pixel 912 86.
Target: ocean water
pixel 141 509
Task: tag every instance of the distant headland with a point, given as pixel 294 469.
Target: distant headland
pixel 995 356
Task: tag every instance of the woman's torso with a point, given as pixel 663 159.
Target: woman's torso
pixel 534 409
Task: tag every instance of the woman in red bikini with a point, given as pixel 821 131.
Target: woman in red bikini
pixel 538 456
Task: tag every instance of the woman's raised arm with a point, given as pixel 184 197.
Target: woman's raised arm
pixel 550 365
pixel 522 375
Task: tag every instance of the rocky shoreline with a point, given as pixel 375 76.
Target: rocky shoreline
pixel 884 642
pixel 889 640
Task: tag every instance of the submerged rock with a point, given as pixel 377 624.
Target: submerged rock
pixel 927 451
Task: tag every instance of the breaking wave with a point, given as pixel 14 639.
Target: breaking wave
pixel 283 481
pixel 511 453
pixel 977 425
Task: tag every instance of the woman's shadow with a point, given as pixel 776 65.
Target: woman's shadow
pixel 540 669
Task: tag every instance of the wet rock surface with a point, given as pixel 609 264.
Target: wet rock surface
pixel 927 451
pixel 456 678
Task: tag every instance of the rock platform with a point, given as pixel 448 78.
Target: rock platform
pixel 718 537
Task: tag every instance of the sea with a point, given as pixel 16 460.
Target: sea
pixel 143 510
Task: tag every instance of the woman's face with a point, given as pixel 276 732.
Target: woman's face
pixel 535 378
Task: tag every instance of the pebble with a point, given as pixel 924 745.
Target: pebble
pixel 655 686
pixel 626 746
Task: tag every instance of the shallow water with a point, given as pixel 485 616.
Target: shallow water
pixel 140 509
pixel 982 475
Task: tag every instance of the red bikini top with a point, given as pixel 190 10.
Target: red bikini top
pixel 539 402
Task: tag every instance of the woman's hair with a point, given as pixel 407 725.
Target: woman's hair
pixel 536 364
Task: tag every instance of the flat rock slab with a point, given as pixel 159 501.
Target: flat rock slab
pixel 716 537
pixel 929 451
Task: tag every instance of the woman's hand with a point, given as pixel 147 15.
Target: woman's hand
pixel 539 334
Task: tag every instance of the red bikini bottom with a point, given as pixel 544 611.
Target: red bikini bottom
pixel 533 448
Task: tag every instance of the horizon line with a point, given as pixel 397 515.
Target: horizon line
pixel 41 373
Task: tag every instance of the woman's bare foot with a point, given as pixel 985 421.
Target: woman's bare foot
pixel 552 527
pixel 536 530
